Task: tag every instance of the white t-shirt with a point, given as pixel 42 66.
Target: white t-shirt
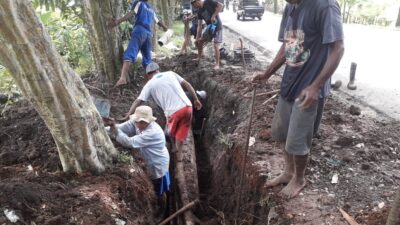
pixel 166 90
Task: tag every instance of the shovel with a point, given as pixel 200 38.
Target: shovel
pixel 103 106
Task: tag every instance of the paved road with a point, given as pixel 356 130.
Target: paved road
pixel 375 50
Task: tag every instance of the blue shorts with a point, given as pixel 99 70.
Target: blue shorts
pixel 193 30
pixel 140 41
pixel 162 184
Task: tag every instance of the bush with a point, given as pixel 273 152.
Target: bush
pixel 70 38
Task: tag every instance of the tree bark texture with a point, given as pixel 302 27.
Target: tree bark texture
pixel 398 19
pixel 394 215
pixel 54 89
pixel 166 11
pixel 154 39
pixel 106 42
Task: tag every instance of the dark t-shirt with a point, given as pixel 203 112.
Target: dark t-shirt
pixel 307 30
pixel 207 11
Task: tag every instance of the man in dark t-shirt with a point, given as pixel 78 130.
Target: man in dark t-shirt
pixel 312 36
pixel 208 11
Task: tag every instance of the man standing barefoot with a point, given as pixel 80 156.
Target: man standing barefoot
pixel 312 36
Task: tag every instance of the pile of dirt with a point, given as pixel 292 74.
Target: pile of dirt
pixel 34 187
pixel 362 151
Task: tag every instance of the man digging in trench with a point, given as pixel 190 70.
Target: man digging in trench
pixel 143 133
pixel 166 89
pixel 312 36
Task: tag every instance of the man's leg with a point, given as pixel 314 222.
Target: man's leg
pixel 145 49
pixel 280 126
pixel 298 182
pixel 217 43
pixel 130 55
pixel 217 56
pixel 287 174
pixel 186 40
pixel 124 73
pixel 298 145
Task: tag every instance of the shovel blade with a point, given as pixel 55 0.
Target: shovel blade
pixel 103 106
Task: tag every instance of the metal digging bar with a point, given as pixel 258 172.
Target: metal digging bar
pixel 245 156
pixel 242 51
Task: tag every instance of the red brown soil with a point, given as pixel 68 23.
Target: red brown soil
pixel 363 150
pixel 45 195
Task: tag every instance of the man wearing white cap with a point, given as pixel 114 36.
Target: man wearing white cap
pixel 143 133
pixel 166 89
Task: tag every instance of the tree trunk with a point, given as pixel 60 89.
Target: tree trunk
pixel 165 13
pixel 154 40
pixel 54 89
pixel 275 6
pixel 394 215
pixel 106 42
pixel 398 19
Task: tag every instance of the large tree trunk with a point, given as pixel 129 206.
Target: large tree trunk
pixel 106 43
pixel 394 216
pixel 275 6
pixel 154 40
pixel 166 11
pixel 398 19
pixel 54 89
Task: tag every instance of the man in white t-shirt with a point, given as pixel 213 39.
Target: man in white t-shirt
pixel 167 90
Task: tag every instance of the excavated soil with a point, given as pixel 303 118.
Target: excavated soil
pixel 361 150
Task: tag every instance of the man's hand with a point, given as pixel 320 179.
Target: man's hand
pixel 109 121
pixel 123 119
pixel 308 97
pixel 257 76
pixel 197 104
pixel 213 19
pixel 113 23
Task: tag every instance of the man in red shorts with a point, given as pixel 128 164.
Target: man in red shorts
pixel 167 90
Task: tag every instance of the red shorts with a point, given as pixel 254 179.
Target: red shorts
pixel 178 124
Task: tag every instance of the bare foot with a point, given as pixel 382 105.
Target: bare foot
pixel 216 67
pixel 120 82
pixel 293 188
pixel 284 178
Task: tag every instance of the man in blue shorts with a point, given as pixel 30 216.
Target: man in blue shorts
pixel 209 12
pixel 312 36
pixel 141 36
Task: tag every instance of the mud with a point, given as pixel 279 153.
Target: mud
pixel 362 150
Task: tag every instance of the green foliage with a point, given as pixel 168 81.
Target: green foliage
pixel 125 158
pixel 67 7
pixel 70 39
pixel 7 83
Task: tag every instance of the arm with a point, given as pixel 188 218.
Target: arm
pixel 309 95
pixel 116 22
pixel 188 87
pixel 161 24
pixel 276 63
pixel 218 9
pixel 134 105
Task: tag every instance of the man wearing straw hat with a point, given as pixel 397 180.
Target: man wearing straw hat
pixel 143 133
pixel 166 89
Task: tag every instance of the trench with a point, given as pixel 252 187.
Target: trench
pixel 219 159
